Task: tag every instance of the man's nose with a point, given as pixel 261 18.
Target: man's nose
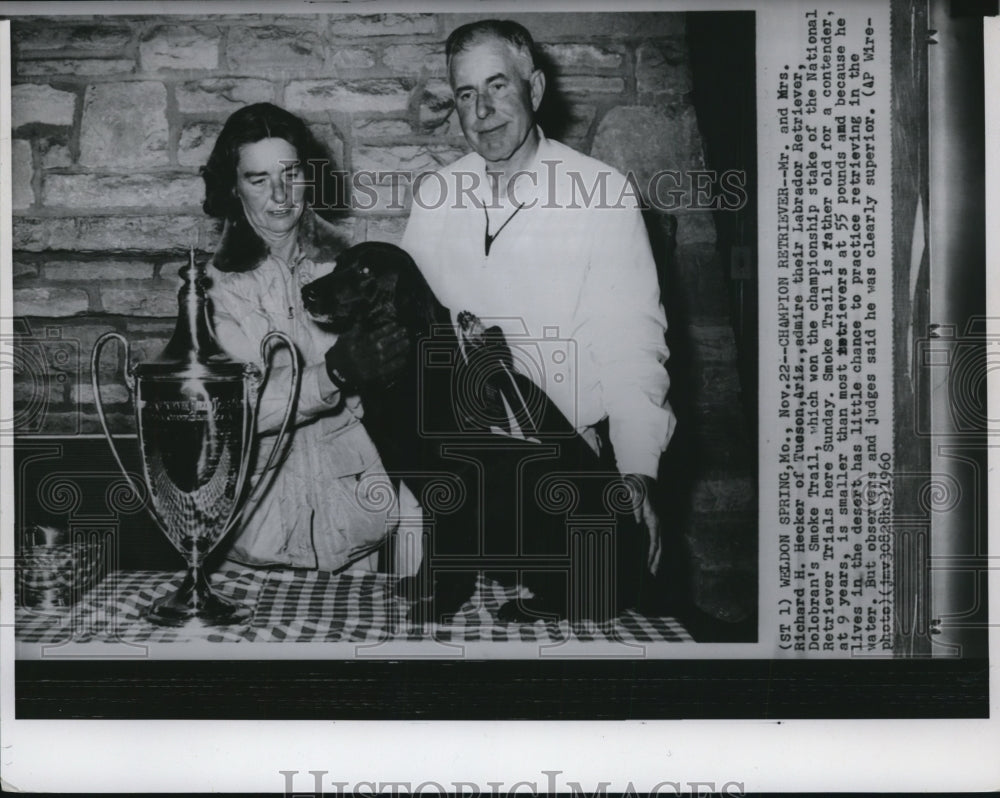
pixel 484 106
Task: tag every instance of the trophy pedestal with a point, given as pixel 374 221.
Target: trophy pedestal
pixel 195 603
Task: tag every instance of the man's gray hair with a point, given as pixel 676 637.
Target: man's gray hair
pixel 514 34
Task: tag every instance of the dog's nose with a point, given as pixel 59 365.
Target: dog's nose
pixel 308 294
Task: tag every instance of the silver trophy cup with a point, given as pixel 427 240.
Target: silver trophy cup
pixel 196 416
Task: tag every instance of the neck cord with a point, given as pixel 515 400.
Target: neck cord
pixel 489 239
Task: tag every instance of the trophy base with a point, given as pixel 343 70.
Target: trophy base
pixel 196 604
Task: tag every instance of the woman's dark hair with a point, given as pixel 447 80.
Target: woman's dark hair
pixel 243 248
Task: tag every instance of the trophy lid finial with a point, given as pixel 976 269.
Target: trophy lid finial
pixel 194 343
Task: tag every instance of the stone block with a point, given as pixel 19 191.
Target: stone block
pixel 589 84
pixel 454 129
pixel 122 191
pixel 127 233
pixel 570 58
pixel 412 159
pixel 124 125
pixel 24 271
pixel 50 358
pixel 366 197
pixel 38 103
pixel 171 270
pixel 28 393
pixel 274 47
pixel 144 298
pixel 75 422
pixel 435 106
pixel 41 301
pixel 97 271
pixel 37 401
pixel 343 96
pixel 330 137
pixel 414 59
pixel 46 35
pixel 196 142
pixel 662 50
pixel 23 170
pixel 119 423
pixel 157 328
pixel 75 66
pixel 81 334
pixel 350 25
pixel 118 233
pixel 346 229
pixel 386 228
pixel 111 394
pixel 54 153
pixel 146 348
pixel 222 94
pixel 45 362
pixel 349 59
pixel 577 123
pixel 662 68
pixel 209 234
pixel 33 234
pixel 578 143
pixel 376 128
pixel 180 47
pixel 646 140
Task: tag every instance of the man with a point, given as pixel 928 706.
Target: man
pixel 535 237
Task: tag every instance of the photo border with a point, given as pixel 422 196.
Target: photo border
pixel 710 689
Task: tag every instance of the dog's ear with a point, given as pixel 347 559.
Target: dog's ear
pixel 415 302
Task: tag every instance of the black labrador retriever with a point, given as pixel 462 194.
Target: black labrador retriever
pixel 508 486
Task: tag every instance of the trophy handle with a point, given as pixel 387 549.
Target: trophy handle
pixel 256 491
pixel 130 385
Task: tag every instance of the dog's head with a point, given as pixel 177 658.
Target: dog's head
pixel 372 283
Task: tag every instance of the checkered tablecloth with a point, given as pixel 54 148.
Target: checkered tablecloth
pixel 297 606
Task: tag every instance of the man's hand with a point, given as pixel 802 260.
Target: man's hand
pixel 642 488
pixel 364 358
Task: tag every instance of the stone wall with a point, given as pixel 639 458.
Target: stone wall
pixel 112 117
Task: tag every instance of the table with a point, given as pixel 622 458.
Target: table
pixel 292 606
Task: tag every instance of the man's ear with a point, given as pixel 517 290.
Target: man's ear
pixel 537 81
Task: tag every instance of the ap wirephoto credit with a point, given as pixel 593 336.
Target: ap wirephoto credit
pixel 388 365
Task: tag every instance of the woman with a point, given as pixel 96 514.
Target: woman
pixel 330 505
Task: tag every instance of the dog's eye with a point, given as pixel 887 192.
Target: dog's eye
pixel 365 271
